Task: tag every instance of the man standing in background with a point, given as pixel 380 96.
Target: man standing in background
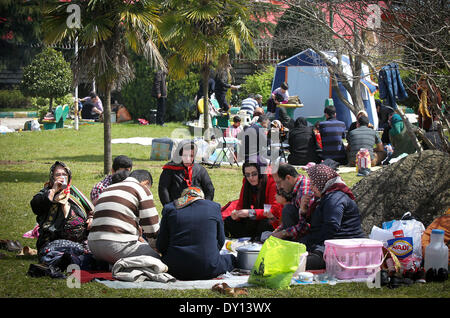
pixel 159 91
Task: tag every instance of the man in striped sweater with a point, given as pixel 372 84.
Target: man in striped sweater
pixel 332 131
pixel 124 213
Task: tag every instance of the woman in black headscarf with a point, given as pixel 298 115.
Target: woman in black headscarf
pixel 303 146
pixel 249 219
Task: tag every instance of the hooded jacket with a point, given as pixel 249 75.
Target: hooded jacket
pixel 302 144
pixel 176 177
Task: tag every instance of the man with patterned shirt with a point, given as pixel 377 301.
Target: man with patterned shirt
pixel 120 163
pixel 295 188
pixel 124 214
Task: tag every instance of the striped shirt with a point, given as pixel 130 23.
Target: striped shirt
pixel 121 209
pixel 249 105
pixel 332 131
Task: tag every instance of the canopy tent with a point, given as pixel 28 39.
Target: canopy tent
pixel 309 79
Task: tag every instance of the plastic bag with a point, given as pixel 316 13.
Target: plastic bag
pixel 403 238
pixel 35 125
pixel 276 263
pixel 410 228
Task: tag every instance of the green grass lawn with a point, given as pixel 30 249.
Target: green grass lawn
pixel 25 159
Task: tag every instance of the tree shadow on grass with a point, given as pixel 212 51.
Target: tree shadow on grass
pixel 79 158
pixel 23 176
pixel 90 158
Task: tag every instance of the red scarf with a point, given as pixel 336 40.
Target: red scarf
pixel 187 171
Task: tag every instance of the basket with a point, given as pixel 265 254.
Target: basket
pixel 353 258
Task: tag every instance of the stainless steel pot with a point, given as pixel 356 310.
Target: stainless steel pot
pixel 247 254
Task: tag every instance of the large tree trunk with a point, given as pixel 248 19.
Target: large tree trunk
pixel 107 133
pixel 50 108
pixel 205 75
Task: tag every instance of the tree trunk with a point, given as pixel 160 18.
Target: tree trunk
pixel 205 100
pixel 107 133
pixel 50 108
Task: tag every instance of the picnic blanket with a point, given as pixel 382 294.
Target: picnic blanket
pixel 234 281
pixel 144 141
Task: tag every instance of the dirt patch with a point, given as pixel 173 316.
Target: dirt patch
pixel 419 183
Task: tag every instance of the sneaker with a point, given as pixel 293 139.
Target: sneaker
pixel 395 282
pixel 442 275
pixel 41 270
pixel 430 275
pixel 363 172
pixel 384 278
pixel 419 276
pixel 13 246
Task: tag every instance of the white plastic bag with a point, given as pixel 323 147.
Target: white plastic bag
pixel 410 228
pixel 381 235
pixel 35 125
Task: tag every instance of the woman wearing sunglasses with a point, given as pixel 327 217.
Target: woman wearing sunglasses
pixel 257 210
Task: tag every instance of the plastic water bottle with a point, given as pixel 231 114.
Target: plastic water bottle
pixel 436 253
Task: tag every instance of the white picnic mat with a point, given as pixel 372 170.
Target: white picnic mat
pixel 144 141
pixel 232 280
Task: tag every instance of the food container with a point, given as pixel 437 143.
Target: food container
pixel 247 254
pixel 353 258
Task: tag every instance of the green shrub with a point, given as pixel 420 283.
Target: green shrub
pixel 137 95
pixel 40 101
pixel 48 76
pixel 258 83
pixel 180 99
pixel 14 99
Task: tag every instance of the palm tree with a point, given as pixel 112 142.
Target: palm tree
pixel 199 31
pixel 108 29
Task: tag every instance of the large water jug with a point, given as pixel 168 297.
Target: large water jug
pixel 436 253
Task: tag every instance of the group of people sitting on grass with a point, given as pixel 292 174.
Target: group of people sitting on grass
pixel 189 234
pixel 325 141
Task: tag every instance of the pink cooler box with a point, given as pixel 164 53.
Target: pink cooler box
pixel 353 258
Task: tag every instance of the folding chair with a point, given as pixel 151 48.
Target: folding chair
pixel 226 151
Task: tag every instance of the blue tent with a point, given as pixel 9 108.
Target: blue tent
pixel 308 78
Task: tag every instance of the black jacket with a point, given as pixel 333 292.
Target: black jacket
pixel 211 87
pixel 336 217
pixel 173 179
pixel 159 84
pixel 52 223
pixel 221 83
pixel 190 240
pixel 303 147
